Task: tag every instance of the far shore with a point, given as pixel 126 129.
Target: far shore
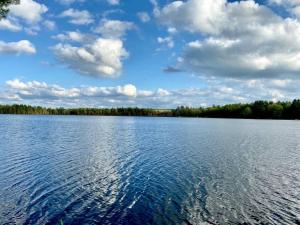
pixel 256 110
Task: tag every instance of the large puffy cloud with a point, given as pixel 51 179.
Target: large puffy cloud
pixel 28 10
pixel 23 46
pixel 194 15
pixel 103 57
pixel 97 57
pixel 27 15
pixel 218 17
pixel 241 39
pixel 215 91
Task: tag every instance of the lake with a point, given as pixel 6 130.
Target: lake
pixel 142 170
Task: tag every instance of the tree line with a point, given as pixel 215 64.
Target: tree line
pixel 255 110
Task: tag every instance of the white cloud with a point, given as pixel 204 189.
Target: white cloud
pixel 25 16
pixel 162 92
pixel 113 28
pixel 23 46
pixel 17 84
pixel 32 30
pixel 75 36
pixel 6 24
pixel 78 17
pixel 241 39
pixel 172 30
pixel 98 57
pixel 69 2
pixel 34 90
pixel 103 57
pixel 167 41
pixel 296 11
pixel 128 90
pixel 194 15
pixel 143 16
pixel 49 24
pixel 9 97
pixel 113 2
pixel 156 10
pixel 215 91
pixel 28 10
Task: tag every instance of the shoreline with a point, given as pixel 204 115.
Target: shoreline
pixel 182 117
pixel 256 110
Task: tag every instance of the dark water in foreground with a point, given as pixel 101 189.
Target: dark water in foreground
pixel 127 170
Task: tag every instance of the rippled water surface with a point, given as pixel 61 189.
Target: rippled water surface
pixel 129 170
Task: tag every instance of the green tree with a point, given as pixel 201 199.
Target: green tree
pixel 295 109
pixel 4 7
pixel 275 111
pixel 259 109
pixel 246 112
pixel 256 110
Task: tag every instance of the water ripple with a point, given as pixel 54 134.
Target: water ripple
pixel 120 170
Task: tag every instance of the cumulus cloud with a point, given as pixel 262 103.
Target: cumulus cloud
pixel 78 17
pixel 17 84
pixel 215 91
pixel 34 90
pixel 97 57
pixel 28 10
pixel 172 30
pixel 24 16
pixel 113 28
pixel 101 58
pixel 143 16
pixel 6 24
pixel 204 15
pixel 23 46
pixel 241 39
pixel 75 36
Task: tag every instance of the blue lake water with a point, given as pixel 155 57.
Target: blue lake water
pixel 130 170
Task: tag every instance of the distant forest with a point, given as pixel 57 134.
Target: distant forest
pixel 256 110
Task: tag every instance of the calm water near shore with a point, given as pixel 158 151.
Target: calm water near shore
pixel 142 170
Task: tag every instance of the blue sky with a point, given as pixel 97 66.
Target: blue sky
pixel 106 53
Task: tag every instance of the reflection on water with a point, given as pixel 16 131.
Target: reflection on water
pixel 128 170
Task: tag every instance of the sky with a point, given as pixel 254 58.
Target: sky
pixel 149 53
